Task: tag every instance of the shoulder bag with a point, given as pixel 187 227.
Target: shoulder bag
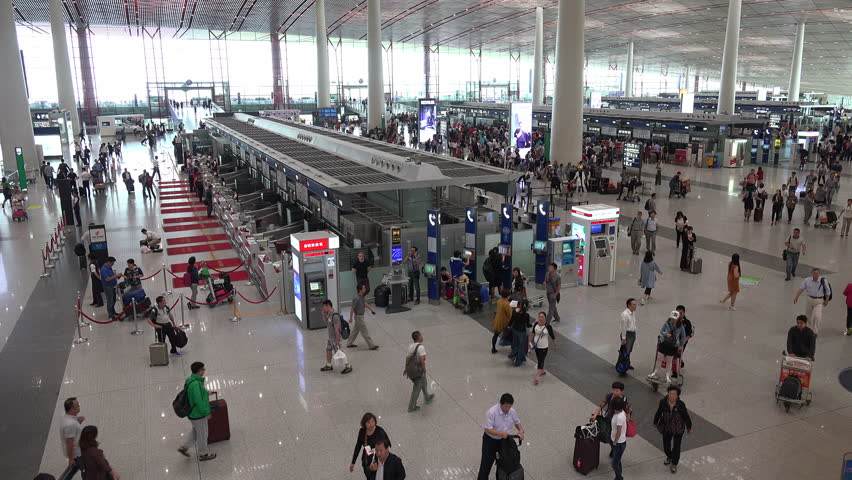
pixel 784 253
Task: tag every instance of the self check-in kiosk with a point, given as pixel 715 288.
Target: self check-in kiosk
pixel 315 275
pixel 595 227
pixel 398 280
pixel 563 252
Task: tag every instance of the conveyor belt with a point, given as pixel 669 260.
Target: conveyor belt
pixel 347 171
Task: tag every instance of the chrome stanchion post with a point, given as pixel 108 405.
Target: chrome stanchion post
pixel 136 330
pixel 54 252
pixel 166 290
pixel 77 315
pixel 45 263
pixel 61 234
pixel 236 318
pixel 183 323
pixel 281 311
pixel 81 322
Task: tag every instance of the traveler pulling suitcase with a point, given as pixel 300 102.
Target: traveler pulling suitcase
pixel 158 352
pixel 218 425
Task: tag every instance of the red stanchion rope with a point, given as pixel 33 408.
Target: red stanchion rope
pixel 152 276
pixel 116 318
pixel 173 305
pixel 229 271
pixel 265 299
pixel 201 303
pixel 173 274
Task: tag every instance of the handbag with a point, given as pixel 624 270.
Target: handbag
pixel 784 253
pixel 631 429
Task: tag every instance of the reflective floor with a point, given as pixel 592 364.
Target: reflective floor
pixel 291 421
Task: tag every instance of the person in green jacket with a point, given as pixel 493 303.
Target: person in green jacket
pixel 200 404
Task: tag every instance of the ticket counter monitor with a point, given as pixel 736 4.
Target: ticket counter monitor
pixel 315 275
pixel 595 228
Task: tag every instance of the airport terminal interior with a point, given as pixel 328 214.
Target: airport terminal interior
pixel 327 209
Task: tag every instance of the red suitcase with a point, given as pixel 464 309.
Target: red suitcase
pixel 218 425
pixel 587 452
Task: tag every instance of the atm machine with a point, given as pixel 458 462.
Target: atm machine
pixel 595 228
pixel 563 252
pixel 315 275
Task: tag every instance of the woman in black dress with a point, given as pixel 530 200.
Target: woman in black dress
pixel 689 240
pixel 748 204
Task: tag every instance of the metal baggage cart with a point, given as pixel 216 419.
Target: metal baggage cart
pixel 798 367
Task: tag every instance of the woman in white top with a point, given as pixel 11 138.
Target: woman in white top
pixel 540 342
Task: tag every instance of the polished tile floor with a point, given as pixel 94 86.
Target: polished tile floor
pixel 291 421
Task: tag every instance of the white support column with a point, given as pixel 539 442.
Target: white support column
pixel 323 84
pixel 728 87
pixel 628 75
pixel 796 70
pixel 538 59
pixel 64 81
pixel 567 124
pixel 16 125
pixel 375 76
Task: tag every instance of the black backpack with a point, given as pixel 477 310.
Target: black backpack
pixel 80 250
pixel 181 404
pixel 345 331
pixel 487 269
pixel 508 455
pixel 822 283
pixel 791 387
pixel 413 367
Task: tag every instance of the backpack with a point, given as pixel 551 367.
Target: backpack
pixel 487 269
pixel 508 455
pixel 345 331
pixel 187 279
pixel 413 367
pixel 181 404
pixel 791 387
pixel 80 250
pixel 647 204
pixel 822 284
pixel 623 363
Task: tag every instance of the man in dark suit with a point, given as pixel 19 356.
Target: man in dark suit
pixel 387 465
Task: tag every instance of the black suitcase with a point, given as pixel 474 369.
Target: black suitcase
pixel 381 296
pixel 587 452
pixel 758 214
pixel 516 475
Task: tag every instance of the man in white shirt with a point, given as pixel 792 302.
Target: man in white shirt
pixel 627 326
pixel 69 436
pixel 818 291
pixel 417 348
pixel 846 215
pixel 618 436
pixel 85 176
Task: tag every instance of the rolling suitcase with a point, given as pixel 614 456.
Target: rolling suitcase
pixel 695 265
pixel 382 295
pixel 587 452
pixel 758 214
pixel 159 353
pixel 218 425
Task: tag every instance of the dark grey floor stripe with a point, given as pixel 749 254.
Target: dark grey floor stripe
pixel 32 366
pixel 592 377
pixel 772 262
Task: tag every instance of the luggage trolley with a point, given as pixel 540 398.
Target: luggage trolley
pixel 794 382
pixel 827 220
